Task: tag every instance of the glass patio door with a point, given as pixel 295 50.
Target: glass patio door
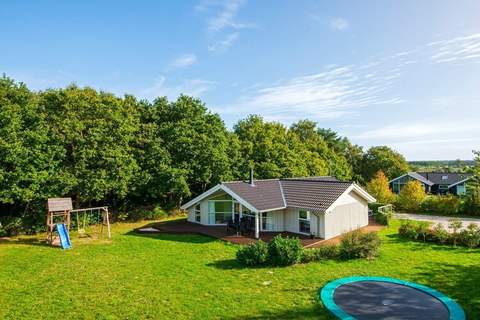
pixel 267 221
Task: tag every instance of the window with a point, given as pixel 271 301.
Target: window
pixel 444 177
pixel 304 221
pixel 267 221
pixel 197 213
pixel 219 211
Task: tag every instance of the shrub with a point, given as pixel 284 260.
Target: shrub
pixel 10 226
pixel 383 218
pixel 472 202
pixel 411 196
pixel 284 251
pixel 408 229
pixel 253 254
pixel 470 236
pixel 422 228
pixel 448 204
pixel 379 189
pixel 356 244
pixel 455 225
pixel 321 253
pixel 439 233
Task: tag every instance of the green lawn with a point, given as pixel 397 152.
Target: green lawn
pixel 195 277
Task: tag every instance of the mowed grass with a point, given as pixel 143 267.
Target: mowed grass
pixel 194 277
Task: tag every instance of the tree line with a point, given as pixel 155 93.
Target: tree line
pixel 98 148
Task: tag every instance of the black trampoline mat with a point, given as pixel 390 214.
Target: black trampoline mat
pixel 385 300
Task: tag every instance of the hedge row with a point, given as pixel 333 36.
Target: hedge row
pixel 420 230
pixel 284 251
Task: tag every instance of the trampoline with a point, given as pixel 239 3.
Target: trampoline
pixel 365 298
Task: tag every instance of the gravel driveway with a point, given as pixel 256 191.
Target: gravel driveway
pixel 435 219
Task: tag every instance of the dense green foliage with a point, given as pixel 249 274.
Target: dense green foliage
pixel 384 159
pixel 100 149
pixel 324 252
pixel 284 251
pixel 378 187
pixel 195 277
pixel 445 204
pixel 254 254
pixel 411 196
pixel 356 244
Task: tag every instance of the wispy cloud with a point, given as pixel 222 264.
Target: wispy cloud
pixel 223 25
pixel 183 61
pixel 339 24
pixel 192 87
pixel 334 92
pixel 224 44
pixel 456 49
pixel 404 131
pixel 338 90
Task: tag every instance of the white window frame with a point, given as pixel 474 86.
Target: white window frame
pixel 197 211
pixel 308 219
pixel 219 224
pixel 266 219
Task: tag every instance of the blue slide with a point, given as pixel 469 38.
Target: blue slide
pixel 64 237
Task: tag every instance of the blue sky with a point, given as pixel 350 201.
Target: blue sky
pixel 400 73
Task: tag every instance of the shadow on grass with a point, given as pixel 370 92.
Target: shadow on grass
pixel 183 237
pixel 25 241
pixel 316 311
pixel 459 281
pixel 227 264
pixel 420 244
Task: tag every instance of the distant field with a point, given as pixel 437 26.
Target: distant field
pixel 442 165
pixel 194 277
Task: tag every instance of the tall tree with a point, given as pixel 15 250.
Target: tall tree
pixel 196 140
pixel 93 134
pixel 329 161
pixel 392 163
pixel 378 187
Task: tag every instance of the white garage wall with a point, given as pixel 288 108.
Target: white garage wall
pixel 349 214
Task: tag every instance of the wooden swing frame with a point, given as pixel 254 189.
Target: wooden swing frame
pixel 62 207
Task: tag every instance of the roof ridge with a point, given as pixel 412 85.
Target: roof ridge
pixel 246 181
pixel 311 180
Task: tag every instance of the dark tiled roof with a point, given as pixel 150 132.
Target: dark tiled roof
pixel 265 194
pixel 316 178
pixel 451 178
pixel 420 178
pixel 314 193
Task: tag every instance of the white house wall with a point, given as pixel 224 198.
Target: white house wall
pixel 350 213
pixel 277 219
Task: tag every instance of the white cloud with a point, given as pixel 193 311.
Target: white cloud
pixel 326 95
pixel 421 129
pixel 339 24
pixel 222 23
pixel 223 44
pixel 456 49
pixel 192 87
pixel 184 60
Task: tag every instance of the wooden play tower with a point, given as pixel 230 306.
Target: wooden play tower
pixel 59 210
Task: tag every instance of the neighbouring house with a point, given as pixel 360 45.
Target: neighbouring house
pixel 434 182
pixel 317 206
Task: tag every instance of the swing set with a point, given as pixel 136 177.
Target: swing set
pixel 59 211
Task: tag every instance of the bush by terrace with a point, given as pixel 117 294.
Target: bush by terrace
pixel 284 251
pixel 415 230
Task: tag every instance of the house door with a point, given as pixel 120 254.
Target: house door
pixel 267 221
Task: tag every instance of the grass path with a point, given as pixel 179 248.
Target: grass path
pixel 194 277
